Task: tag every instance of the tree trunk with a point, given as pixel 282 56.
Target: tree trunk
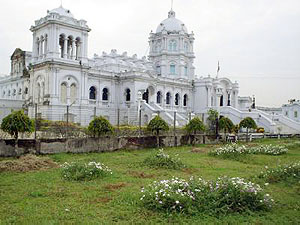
pixel 247 135
pixel 157 139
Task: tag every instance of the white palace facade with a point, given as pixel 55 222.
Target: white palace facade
pixel 58 73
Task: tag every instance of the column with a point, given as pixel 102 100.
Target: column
pixel 209 97
pixel 73 50
pixel 40 48
pixel 65 47
pixel 45 46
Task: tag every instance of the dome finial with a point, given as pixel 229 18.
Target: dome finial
pixel 172 1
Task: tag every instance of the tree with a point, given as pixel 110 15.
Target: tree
pixel 100 126
pixel 156 125
pixel 248 123
pixel 227 125
pixel 212 119
pixel 194 126
pixel 17 122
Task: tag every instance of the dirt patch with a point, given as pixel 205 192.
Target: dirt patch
pixel 27 163
pixel 113 187
pixel 140 174
pixel 189 170
pixel 102 200
pixel 199 150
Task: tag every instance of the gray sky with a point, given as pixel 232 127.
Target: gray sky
pixel 256 41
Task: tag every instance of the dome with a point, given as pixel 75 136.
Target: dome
pixel 62 11
pixel 171 24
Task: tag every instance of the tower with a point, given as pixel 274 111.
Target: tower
pixel 60 36
pixel 171 49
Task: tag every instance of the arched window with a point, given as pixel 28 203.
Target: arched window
pixel 158 97
pixel 92 93
pixel 14 92
pixel 3 94
pixel 63 94
pixel 20 91
pixel 70 47
pixel 185 100
pixel 172 46
pixel 177 99
pixel 168 98
pixel 73 93
pixel 26 91
pixel 146 96
pixel 158 69
pixel 221 100
pixel 8 93
pixel 62 45
pixel 173 69
pixel 229 102
pixel 128 95
pixel 105 94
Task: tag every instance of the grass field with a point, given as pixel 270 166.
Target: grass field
pixel 43 197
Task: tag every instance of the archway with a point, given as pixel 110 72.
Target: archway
pixel 146 96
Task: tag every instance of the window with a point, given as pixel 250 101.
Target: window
pixel 92 93
pixel 158 97
pixel 26 91
pixel 172 46
pixel 63 94
pixel 62 45
pixel 20 91
pixel 177 99
pixel 105 94
pixel 228 101
pixel 158 70
pixel 186 46
pixel 168 98
pixel 172 69
pixel 296 114
pixel 128 95
pixel 73 93
pixel 286 113
pixel 185 71
pixel 185 99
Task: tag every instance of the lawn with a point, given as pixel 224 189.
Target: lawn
pixel 43 197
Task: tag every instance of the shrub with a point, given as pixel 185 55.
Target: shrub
pixel 100 126
pixel 248 123
pixel 194 126
pixel 17 122
pixel 156 125
pixel 281 173
pixel 84 172
pixel 234 150
pixel 162 160
pixel 212 118
pixel 223 196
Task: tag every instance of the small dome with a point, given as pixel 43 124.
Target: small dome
pixel 171 24
pixel 62 11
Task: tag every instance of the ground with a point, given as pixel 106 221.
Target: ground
pixel 43 197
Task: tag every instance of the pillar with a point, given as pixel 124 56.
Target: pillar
pixel 65 47
pixel 73 50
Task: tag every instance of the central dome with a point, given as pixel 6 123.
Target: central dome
pixel 62 11
pixel 171 24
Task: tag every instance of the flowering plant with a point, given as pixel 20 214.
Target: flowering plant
pixel 87 171
pixel 162 160
pixel 224 195
pixel 282 172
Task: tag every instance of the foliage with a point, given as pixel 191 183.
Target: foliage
pixel 100 126
pixel 157 124
pixel 248 123
pixel 213 115
pixel 235 151
pixel 281 173
pixel 84 172
pixel 195 125
pixel 222 196
pixel 226 124
pixel 162 160
pixel 17 122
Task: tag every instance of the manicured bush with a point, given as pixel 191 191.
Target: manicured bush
pixel 248 123
pixel 289 172
pixel 84 172
pixel 195 125
pixel 17 122
pixel 212 118
pixel 162 160
pixel 100 126
pixel 222 196
pixel 156 125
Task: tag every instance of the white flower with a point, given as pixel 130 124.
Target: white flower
pixel 67 210
pixel 266 184
pixel 177 202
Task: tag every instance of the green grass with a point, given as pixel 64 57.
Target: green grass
pixel 43 197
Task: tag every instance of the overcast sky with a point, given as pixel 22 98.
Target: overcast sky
pixel 256 41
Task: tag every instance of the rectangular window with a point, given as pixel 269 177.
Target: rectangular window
pixel 172 69
pixel 158 70
pixel 185 71
pixel 286 113
pixel 296 114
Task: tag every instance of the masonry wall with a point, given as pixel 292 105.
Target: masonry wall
pixel 87 145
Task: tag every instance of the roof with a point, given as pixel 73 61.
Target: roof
pixel 62 11
pixel 171 24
